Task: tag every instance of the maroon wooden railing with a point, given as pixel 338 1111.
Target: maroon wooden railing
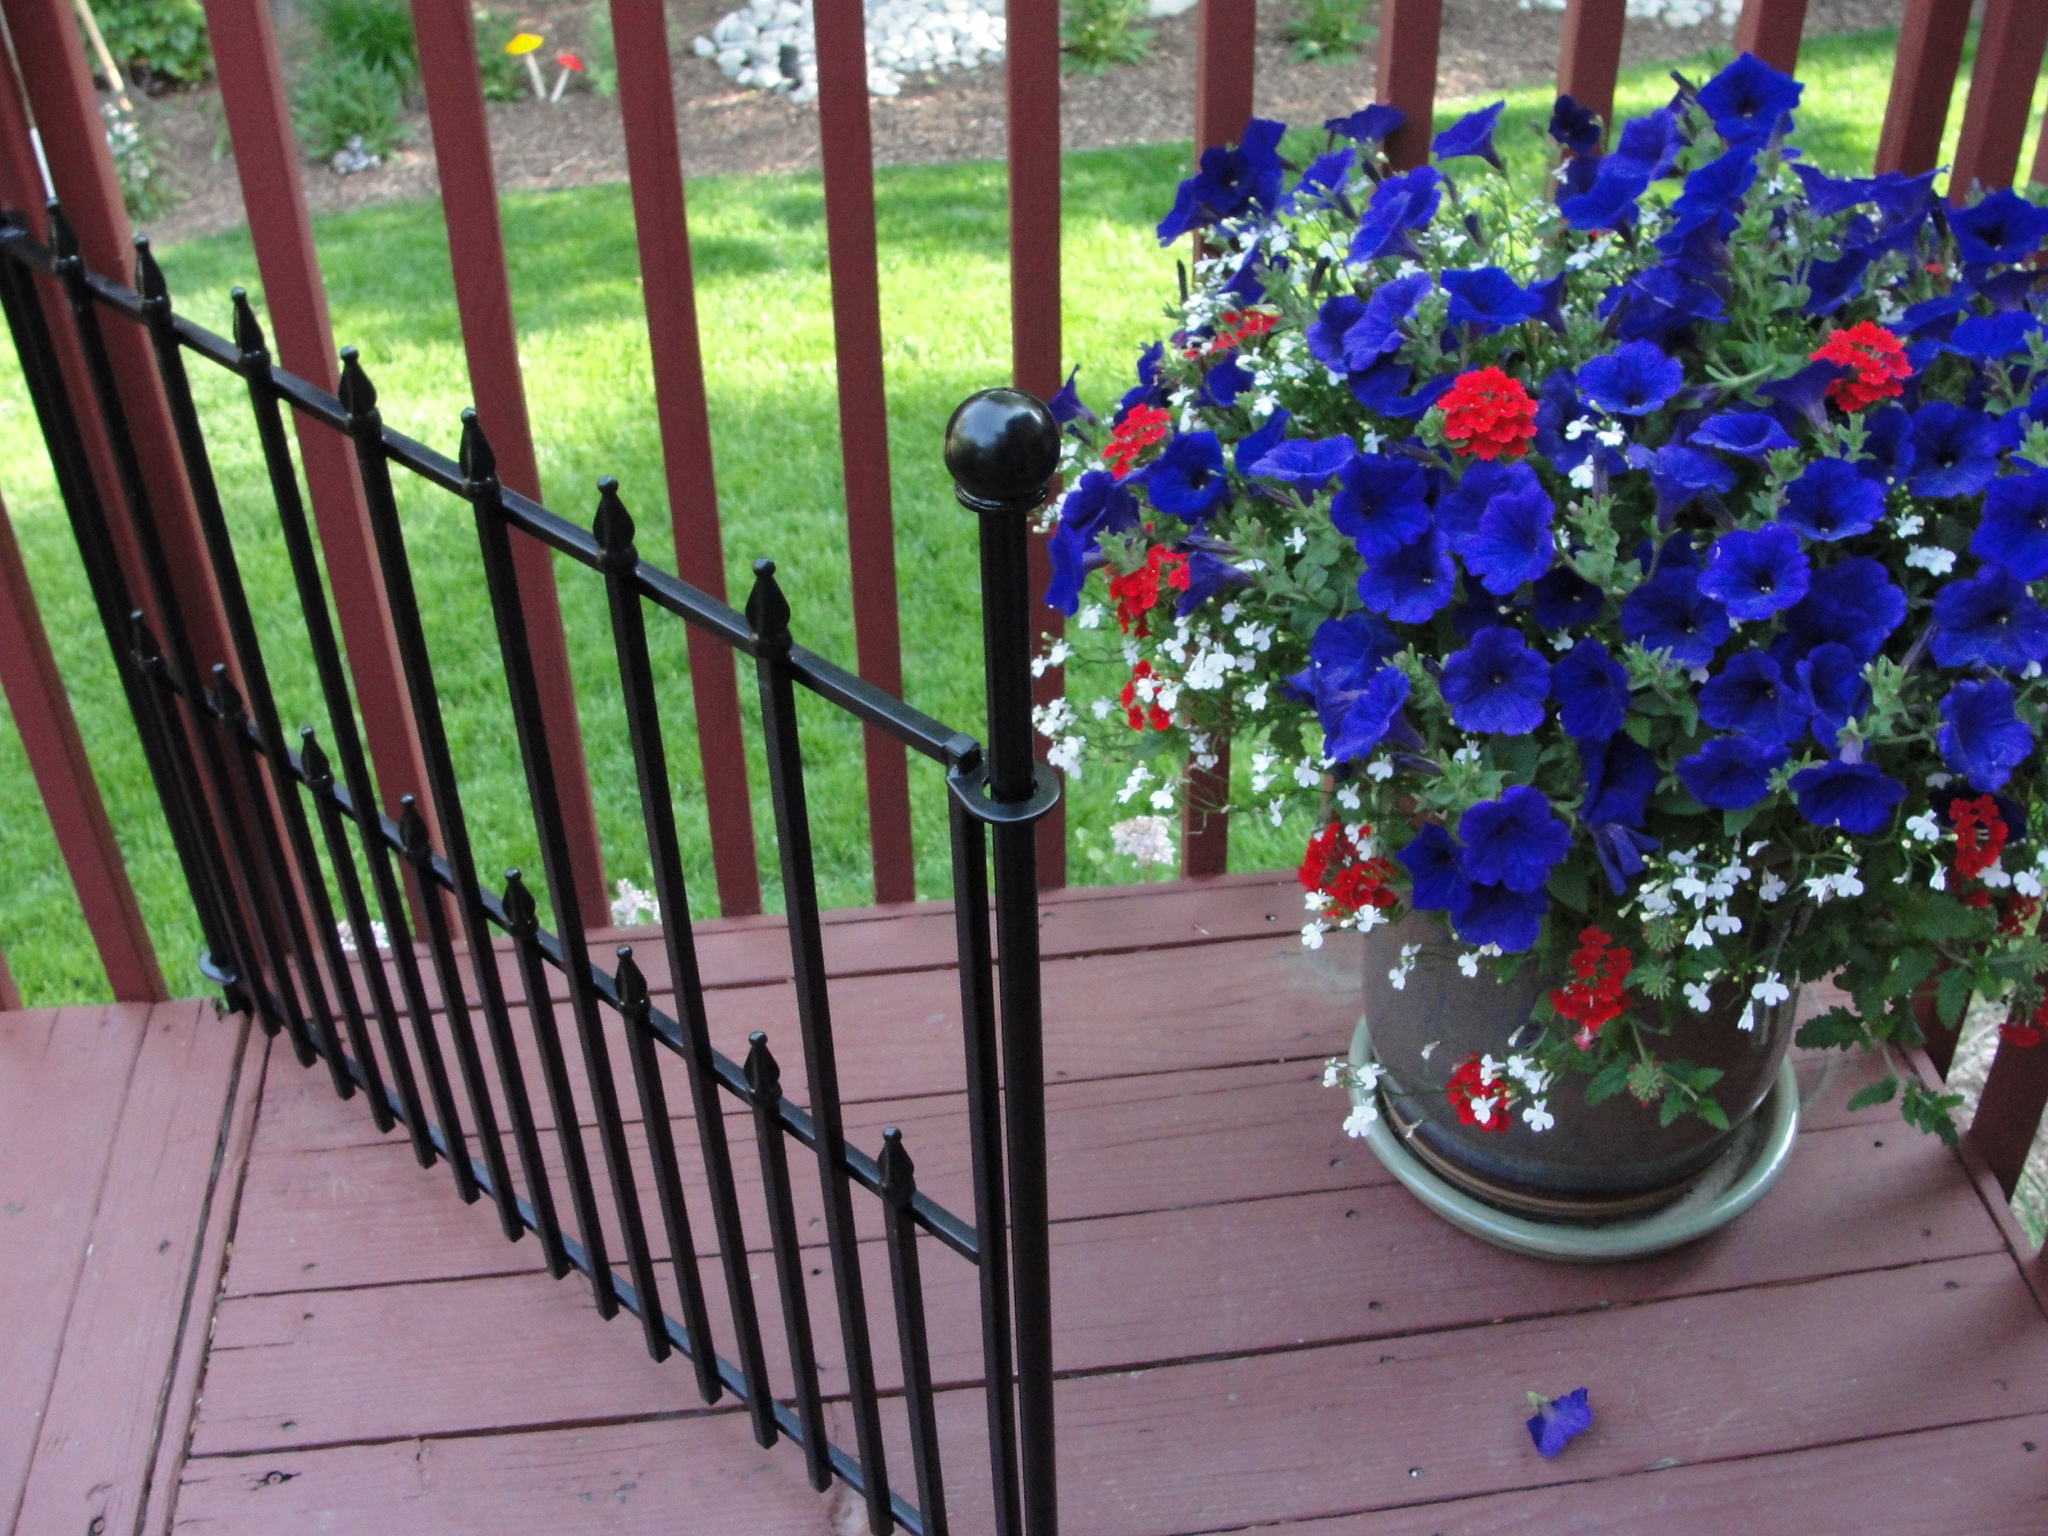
pixel 51 81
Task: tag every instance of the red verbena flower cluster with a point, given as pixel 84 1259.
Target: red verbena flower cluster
pixel 1478 1101
pixel 1876 360
pixel 1238 327
pixel 1488 414
pixel 2026 1033
pixel 1337 865
pixel 1141 703
pixel 1141 427
pixel 1137 594
pixel 1980 834
pixel 2016 914
pixel 1592 998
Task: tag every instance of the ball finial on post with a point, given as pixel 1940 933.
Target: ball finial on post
pixel 1002 447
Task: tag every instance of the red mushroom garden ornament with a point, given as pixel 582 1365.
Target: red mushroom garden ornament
pixel 571 65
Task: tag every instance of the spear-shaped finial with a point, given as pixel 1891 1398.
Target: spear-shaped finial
pixel 248 329
pixel 899 1173
pixel 633 999
pixel 149 282
pixel 613 528
pixel 63 239
pixel 764 1076
pixel 522 916
pixel 413 841
pixel 319 772
pixel 768 610
pixel 358 394
pixel 225 697
pixel 143 639
pixel 479 463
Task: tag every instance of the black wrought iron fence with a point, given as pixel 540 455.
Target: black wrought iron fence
pixel 236 793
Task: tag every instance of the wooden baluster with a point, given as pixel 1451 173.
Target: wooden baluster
pixel 1590 57
pixel 1406 76
pixel 1923 78
pixel 2009 1111
pixel 1224 62
pixel 1770 29
pixel 2009 49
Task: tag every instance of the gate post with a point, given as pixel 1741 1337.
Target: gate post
pixel 1002 447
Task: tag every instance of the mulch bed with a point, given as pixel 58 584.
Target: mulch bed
pixel 1487 45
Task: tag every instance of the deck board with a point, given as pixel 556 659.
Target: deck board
pixel 1255 1326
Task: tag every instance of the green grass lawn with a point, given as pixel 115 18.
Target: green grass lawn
pixel 763 302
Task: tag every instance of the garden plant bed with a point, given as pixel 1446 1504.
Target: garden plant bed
pixel 1488 46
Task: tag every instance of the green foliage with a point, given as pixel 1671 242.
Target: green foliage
pixel 1098 34
pixel 375 34
pixel 348 100
pixel 600 59
pixel 136 150
pixel 1329 30
pixel 161 43
pixel 504 77
pixel 1925 1109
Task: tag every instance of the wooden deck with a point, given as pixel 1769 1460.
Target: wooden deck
pixel 233 1308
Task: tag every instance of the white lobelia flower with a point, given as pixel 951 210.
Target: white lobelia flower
pixel 1379 770
pixel 1748 1020
pixel 1482 1109
pixel 1699 938
pixel 1312 934
pixel 1333 1072
pixel 2027 883
pixel 1361 1118
pixel 1724 921
pixel 1847 883
pixel 1696 993
pixel 1772 888
pixel 1538 1116
pixel 1489 1070
pixel 1938 881
pixel 1932 558
pixel 1770 991
pixel 1468 962
pixel 1924 827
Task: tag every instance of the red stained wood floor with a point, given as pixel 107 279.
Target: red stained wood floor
pixel 232 1307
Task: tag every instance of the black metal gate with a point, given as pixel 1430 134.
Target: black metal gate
pixel 236 795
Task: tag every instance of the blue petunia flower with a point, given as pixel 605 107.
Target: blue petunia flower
pixel 1980 737
pixel 1325 334
pixel 1621 775
pixel 1670 613
pixel 1368 125
pixel 1754 574
pixel 1224 382
pixel 1574 126
pixel 1514 841
pixel 2014 532
pixel 1857 797
pixel 1752 697
pixel 1322 183
pixel 1096 505
pixel 1229 181
pixel 1888 452
pixel 1367 717
pixel 1591 690
pixel 1488 298
pixel 1830 500
pixel 1565 599
pixel 1558 1420
pixel 1989 336
pixel 1431 858
pixel 1496 684
pixel 1066 406
pixel 1730 773
pixel 1208 574
pixel 1471 134
pixel 1343 654
pixel 1988 618
pixel 1749 101
pixel 2003 227
pixel 1710 196
pixel 1303 466
pixel 1512 542
pixel 1413 583
pixel 1681 476
pixel 1381 505
pixel 1853 603
pixel 1633 380
pixel 1557 407
pixel 1377 330
pixel 1493 914
pixel 1827 195
pixel 1399 204
pixel 1650 142
pixel 1833 680
pixel 1803 396
pixel 1746 434
pixel 1831 284
pixel 1459 510
pixel 1187 478
pixel 1955 449
pixel 1935 317
pixel 1610 203
pixel 1254 446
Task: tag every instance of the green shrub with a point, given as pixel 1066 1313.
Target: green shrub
pixel 1329 29
pixel 600 59
pixel 136 149
pixel 342 99
pixel 375 34
pixel 1100 33
pixel 504 77
pixel 160 42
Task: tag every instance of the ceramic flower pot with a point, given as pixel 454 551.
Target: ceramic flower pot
pixel 1597 1161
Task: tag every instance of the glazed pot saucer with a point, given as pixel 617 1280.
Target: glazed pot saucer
pixel 1730 1185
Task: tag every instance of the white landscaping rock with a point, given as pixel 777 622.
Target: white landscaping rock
pixel 904 37
pixel 1673 13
